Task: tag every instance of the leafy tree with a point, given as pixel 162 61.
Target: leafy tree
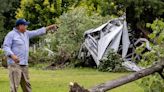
pixel 42 12
pixel 66 42
pixel 138 12
pixel 7 16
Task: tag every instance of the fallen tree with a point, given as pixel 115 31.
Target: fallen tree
pixel 103 87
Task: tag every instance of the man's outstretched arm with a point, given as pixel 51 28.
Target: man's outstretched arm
pixel 41 31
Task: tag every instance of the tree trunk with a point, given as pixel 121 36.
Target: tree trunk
pixel 126 79
pixel 123 80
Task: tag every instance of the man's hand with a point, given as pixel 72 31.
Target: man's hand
pixel 53 27
pixel 15 58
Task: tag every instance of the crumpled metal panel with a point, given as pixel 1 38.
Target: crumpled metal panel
pixel 104 41
pixel 125 40
pixel 108 36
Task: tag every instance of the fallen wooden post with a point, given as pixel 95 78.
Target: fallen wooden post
pixel 126 79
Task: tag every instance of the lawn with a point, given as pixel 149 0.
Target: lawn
pixel 58 80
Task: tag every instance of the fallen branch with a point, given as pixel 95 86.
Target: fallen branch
pixel 126 79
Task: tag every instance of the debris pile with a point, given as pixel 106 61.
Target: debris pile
pixel 112 35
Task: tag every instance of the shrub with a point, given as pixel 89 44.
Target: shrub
pixel 112 63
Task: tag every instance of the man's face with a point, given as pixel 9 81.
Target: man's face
pixel 22 28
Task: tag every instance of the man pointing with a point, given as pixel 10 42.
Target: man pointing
pixel 16 47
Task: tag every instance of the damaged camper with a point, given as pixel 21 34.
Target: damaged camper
pixel 112 35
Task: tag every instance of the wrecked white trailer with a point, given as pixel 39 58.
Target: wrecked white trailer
pixel 111 35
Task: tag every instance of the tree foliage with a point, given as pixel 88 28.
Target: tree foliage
pixel 42 12
pixel 154 83
pixel 68 39
pixel 138 12
pixel 112 63
pixel 7 16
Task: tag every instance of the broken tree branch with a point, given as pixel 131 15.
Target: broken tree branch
pixel 126 79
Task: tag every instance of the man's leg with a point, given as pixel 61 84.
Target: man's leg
pixel 25 83
pixel 14 76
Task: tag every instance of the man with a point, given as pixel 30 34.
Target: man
pixel 16 47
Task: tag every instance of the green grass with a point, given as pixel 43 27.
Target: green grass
pixel 58 80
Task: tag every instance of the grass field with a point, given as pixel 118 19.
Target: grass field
pixel 58 80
